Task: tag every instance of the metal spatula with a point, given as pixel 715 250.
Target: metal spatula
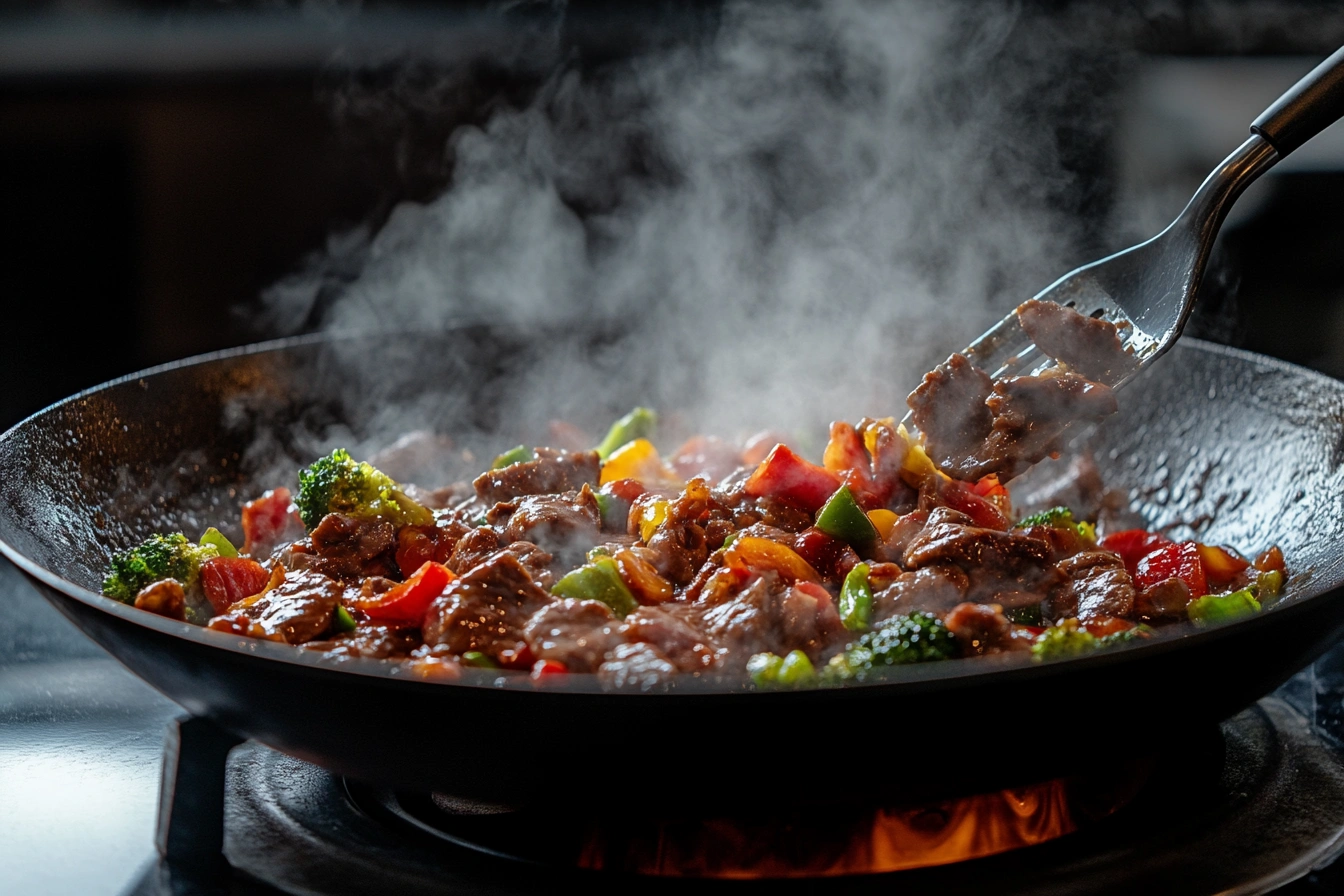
pixel 1150 289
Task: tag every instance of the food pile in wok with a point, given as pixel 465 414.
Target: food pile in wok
pixel 722 560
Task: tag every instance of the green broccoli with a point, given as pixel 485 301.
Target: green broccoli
pixel 1069 640
pixel 917 638
pixel 1060 518
pixel 339 484
pixel 158 557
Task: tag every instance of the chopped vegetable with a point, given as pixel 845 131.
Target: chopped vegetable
pixel 1268 584
pixel 339 484
pixel 648 586
pixel 917 638
pixel 543 669
pixel 785 475
pixel 267 520
pixel 1215 608
pixel 1133 545
pixel 342 621
pixel 1063 641
pixel 653 515
pixel 856 599
pixel 227 580
pixel 791 670
pixel 1181 561
pixel 1059 518
pixel 763 554
pixel 156 558
pixel 213 536
pixel 406 603
pixel 841 517
pixel 884 521
pixel 637 460
pixel 638 424
pixel 1221 566
pixel 517 455
pixel 478 660
pixel 1271 559
pixel 599 580
pixel 764 668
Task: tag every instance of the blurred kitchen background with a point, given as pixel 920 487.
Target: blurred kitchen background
pixel 163 163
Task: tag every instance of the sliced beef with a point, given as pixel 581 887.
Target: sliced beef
pixel 1164 601
pixel 536 560
pixel 296 611
pixel 933 589
pixel 1064 543
pixel 486 608
pixel 165 597
pixel 379 642
pixel 679 547
pixel 578 633
pixel 769 615
pixel 566 525
pixel 636 667
pixel 551 473
pixel 1090 346
pixel 1028 413
pixel 472 548
pixel 949 409
pixel 672 631
pixel 1008 568
pixel 981 629
pixel 1097 585
pixel 350 548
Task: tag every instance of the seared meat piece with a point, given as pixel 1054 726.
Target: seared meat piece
pixel 949 409
pixel 349 548
pixel 1064 543
pixel 379 642
pixel 982 628
pixel 679 548
pixel 1097 585
pixel 552 472
pixel 164 598
pixel 933 589
pixel 676 638
pixel 296 611
pixel 1003 567
pixel 485 609
pixel 578 633
pixel 535 560
pixel 1090 346
pixel 1029 410
pixel 1166 600
pixel 472 548
pixel 566 525
pixel 638 666
pixel 771 616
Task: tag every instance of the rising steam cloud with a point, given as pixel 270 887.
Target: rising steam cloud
pixel 798 213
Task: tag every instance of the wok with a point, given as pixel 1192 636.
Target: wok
pixel 1243 449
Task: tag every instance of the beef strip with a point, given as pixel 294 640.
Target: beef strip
pixel 933 589
pixel 486 608
pixel 982 629
pixel 1007 568
pixel 577 633
pixel 565 525
pixel 637 667
pixel 1090 346
pixel 679 547
pixel 552 472
pixel 769 615
pixel 380 642
pixel 296 611
pixel 1028 413
pixel 949 409
pixel 1097 586
pixel 350 548
pixel 472 548
pixel 536 560
pixel 671 630
pixel 1166 601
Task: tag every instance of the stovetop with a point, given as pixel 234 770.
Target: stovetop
pixel 82 746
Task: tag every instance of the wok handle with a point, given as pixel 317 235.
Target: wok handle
pixel 1309 107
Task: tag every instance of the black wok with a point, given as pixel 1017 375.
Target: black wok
pixel 1245 449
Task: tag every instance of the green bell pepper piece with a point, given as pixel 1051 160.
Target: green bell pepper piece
pixel 1215 608
pixel 478 660
pixel 638 424
pixel 343 621
pixel 796 669
pixel 215 537
pixel 764 668
pixel 512 456
pixel 856 599
pixel 598 580
pixel 1268 584
pixel 841 517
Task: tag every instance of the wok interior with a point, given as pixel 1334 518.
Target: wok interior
pixel 1239 449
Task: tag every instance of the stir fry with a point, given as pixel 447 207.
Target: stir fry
pixel 739 561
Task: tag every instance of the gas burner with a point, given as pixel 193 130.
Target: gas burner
pixel 1249 808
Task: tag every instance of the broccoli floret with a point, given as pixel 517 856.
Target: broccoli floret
pixel 339 484
pixel 158 557
pixel 1060 518
pixel 1064 640
pixel 917 638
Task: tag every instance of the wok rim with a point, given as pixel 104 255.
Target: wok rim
pixel 915 677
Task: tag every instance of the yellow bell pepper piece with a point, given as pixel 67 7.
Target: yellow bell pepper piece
pixel 884 520
pixel 762 553
pixel 917 467
pixel 870 433
pixel 637 460
pixel 653 516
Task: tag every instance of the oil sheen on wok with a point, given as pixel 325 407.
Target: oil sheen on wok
pixel 744 562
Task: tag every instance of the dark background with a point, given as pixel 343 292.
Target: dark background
pixel 161 164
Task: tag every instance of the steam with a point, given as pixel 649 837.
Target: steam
pixel 788 220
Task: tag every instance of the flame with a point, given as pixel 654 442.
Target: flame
pixel 833 842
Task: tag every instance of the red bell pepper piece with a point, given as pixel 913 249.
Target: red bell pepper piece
pixel 407 602
pixel 784 474
pixel 227 580
pixel 547 668
pixel 269 519
pixel 1181 561
pixel 983 512
pixel 990 487
pixel 1221 566
pixel 1133 545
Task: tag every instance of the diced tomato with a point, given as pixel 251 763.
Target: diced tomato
pixel 784 474
pixel 1133 545
pixel 812 589
pixel 1221 566
pixel 983 512
pixel 1181 561
pixel 268 520
pixel 547 668
pixel 1102 626
pixel 407 602
pixel 227 580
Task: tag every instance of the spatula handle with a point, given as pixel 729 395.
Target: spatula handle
pixel 1309 107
